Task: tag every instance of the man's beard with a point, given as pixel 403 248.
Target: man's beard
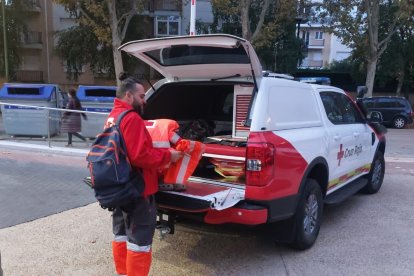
pixel 137 107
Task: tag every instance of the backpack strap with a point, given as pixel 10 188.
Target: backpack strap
pixel 118 127
pixel 118 120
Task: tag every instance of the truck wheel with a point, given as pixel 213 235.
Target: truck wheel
pixel 376 174
pixel 399 122
pixel 308 217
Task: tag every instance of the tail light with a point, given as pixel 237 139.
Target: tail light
pixel 259 163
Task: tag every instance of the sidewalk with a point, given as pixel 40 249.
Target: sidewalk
pixel 78 241
pixel 73 242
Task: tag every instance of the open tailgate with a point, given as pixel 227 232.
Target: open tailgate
pixel 202 195
pixel 194 57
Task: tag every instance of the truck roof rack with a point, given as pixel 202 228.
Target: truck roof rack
pixel 277 75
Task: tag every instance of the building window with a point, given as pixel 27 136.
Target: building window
pixel 319 35
pixel 305 37
pixel 167 25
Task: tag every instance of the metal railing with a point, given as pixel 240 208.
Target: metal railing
pixel 32 117
pixel 31 37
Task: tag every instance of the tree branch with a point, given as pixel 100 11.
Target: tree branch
pixel 261 20
pixel 130 15
pixel 127 16
pixel 85 13
pixel 391 30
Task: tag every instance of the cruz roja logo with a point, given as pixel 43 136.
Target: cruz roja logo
pixel 348 152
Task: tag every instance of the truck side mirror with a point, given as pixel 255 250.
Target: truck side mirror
pixel 361 91
pixel 374 117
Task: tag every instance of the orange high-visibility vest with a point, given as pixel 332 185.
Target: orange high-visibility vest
pixel 163 134
pixel 180 171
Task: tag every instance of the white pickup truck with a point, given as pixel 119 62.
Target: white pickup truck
pixel 279 149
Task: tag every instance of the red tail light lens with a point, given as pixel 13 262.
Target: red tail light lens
pixel 259 163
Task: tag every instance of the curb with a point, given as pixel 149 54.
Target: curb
pixel 399 159
pixel 43 148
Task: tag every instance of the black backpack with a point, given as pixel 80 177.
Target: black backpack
pixel 114 181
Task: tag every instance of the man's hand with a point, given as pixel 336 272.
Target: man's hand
pixel 176 155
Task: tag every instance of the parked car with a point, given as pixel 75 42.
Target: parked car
pixel 279 149
pixel 396 111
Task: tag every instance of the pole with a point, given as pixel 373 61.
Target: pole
pixel 192 17
pixel 6 60
pixel 47 42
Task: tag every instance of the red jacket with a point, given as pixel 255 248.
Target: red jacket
pixel 138 142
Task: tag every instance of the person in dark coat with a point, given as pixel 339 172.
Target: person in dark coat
pixel 71 121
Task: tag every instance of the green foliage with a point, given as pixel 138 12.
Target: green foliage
pixel 367 26
pixel 277 46
pixel 108 23
pixel 15 27
pixel 351 65
pixel 79 46
pixel 397 62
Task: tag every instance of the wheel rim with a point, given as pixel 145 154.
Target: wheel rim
pixel 311 214
pixel 399 122
pixel 377 173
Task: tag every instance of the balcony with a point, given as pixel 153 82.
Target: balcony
pixel 306 63
pixel 29 76
pixel 164 5
pixel 316 43
pixel 32 40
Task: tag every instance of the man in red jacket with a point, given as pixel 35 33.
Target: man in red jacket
pixel 134 229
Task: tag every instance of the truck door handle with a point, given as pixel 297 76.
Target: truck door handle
pixel 337 137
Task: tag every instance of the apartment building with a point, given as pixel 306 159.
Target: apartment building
pixel 44 18
pixel 160 18
pixel 321 48
pixel 40 64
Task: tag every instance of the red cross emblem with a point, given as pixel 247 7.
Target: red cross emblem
pixel 340 155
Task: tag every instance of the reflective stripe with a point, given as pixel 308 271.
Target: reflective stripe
pixel 136 248
pixel 161 144
pixel 183 168
pixel 192 145
pixel 120 238
pixel 174 139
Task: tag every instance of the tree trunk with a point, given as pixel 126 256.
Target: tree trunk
pixel 372 9
pixel 400 83
pixel 116 38
pixel 371 68
pixel 244 17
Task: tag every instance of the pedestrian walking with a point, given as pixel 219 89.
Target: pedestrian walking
pixel 71 121
pixel 134 228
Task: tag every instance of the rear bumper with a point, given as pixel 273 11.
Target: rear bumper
pixel 244 212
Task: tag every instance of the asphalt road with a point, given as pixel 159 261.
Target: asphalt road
pixel 35 185
pixel 366 235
